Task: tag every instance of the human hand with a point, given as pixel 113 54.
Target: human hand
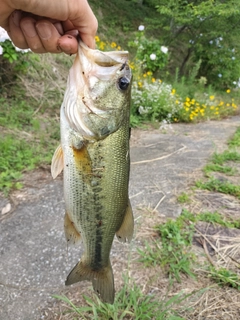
pixel 48 26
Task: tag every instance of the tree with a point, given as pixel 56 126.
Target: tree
pixel 202 31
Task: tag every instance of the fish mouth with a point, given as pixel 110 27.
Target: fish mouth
pixel 89 76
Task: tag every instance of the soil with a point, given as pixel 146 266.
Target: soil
pixel 164 163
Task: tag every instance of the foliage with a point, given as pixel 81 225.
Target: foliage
pixel 220 186
pixel 183 198
pixel 227 155
pixel 130 303
pixel 201 28
pixel 16 155
pixel 211 217
pixel 225 277
pixel 173 251
pixel 219 168
pixel 151 55
pixel 235 140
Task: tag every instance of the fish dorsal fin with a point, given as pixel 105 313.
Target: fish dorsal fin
pixel 71 234
pixel 125 233
pixel 57 162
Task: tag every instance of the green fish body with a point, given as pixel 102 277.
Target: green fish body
pixel 94 156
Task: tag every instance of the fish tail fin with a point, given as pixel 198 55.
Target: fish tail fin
pixel 102 279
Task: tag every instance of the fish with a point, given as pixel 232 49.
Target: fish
pixel 94 157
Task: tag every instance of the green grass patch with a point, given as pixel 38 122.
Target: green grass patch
pixel 220 186
pixel 220 158
pixel 235 140
pixel 173 252
pixel 183 198
pixel 212 167
pixel 130 303
pixel 225 277
pixel 211 217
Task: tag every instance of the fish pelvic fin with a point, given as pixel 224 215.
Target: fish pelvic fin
pixel 57 162
pixel 102 279
pixel 125 233
pixel 71 234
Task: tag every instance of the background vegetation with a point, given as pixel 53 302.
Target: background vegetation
pixel 185 60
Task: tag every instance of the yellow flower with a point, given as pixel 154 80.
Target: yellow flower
pixel 192 101
pixel 119 48
pixel 113 44
pixel 140 84
pixel 211 97
pixel 97 38
pixel 216 112
pixel 149 73
pixel 160 81
pixel 187 99
pixel 173 91
pixel 177 102
pixel 228 90
pixel 212 108
pixel 102 45
pixel 234 105
pixel 221 103
pixel 187 104
pixel 202 111
pixel 186 109
pixel 228 104
pixel 153 79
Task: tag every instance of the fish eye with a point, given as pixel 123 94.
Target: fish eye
pixel 123 83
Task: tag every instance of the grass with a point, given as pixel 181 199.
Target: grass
pixel 171 251
pixel 183 198
pixel 130 303
pixel 225 277
pixel 29 118
pixel 219 186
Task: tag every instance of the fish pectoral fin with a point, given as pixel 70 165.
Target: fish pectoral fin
pixel 102 280
pixel 125 233
pixel 57 162
pixel 71 234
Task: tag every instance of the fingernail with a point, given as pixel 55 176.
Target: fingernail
pixel 28 29
pixel 44 30
pixel 16 15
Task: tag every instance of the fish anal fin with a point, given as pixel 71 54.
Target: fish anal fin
pixel 57 162
pixel 102 279
pixel 71 234
pixel 125 233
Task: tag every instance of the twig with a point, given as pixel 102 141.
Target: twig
pixel 159 202
pixel 160 158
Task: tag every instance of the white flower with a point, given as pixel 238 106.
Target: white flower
pixel 164 49
pixel 233 58
pixel 141 28
pixel 153 56
pixel 211 42
pixel 3 35
pixel 220 75
pixel 1 50
pixel 220 38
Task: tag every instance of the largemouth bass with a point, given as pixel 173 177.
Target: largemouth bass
pixel 94 157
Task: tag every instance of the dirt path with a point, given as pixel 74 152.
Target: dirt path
pixel 33 258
